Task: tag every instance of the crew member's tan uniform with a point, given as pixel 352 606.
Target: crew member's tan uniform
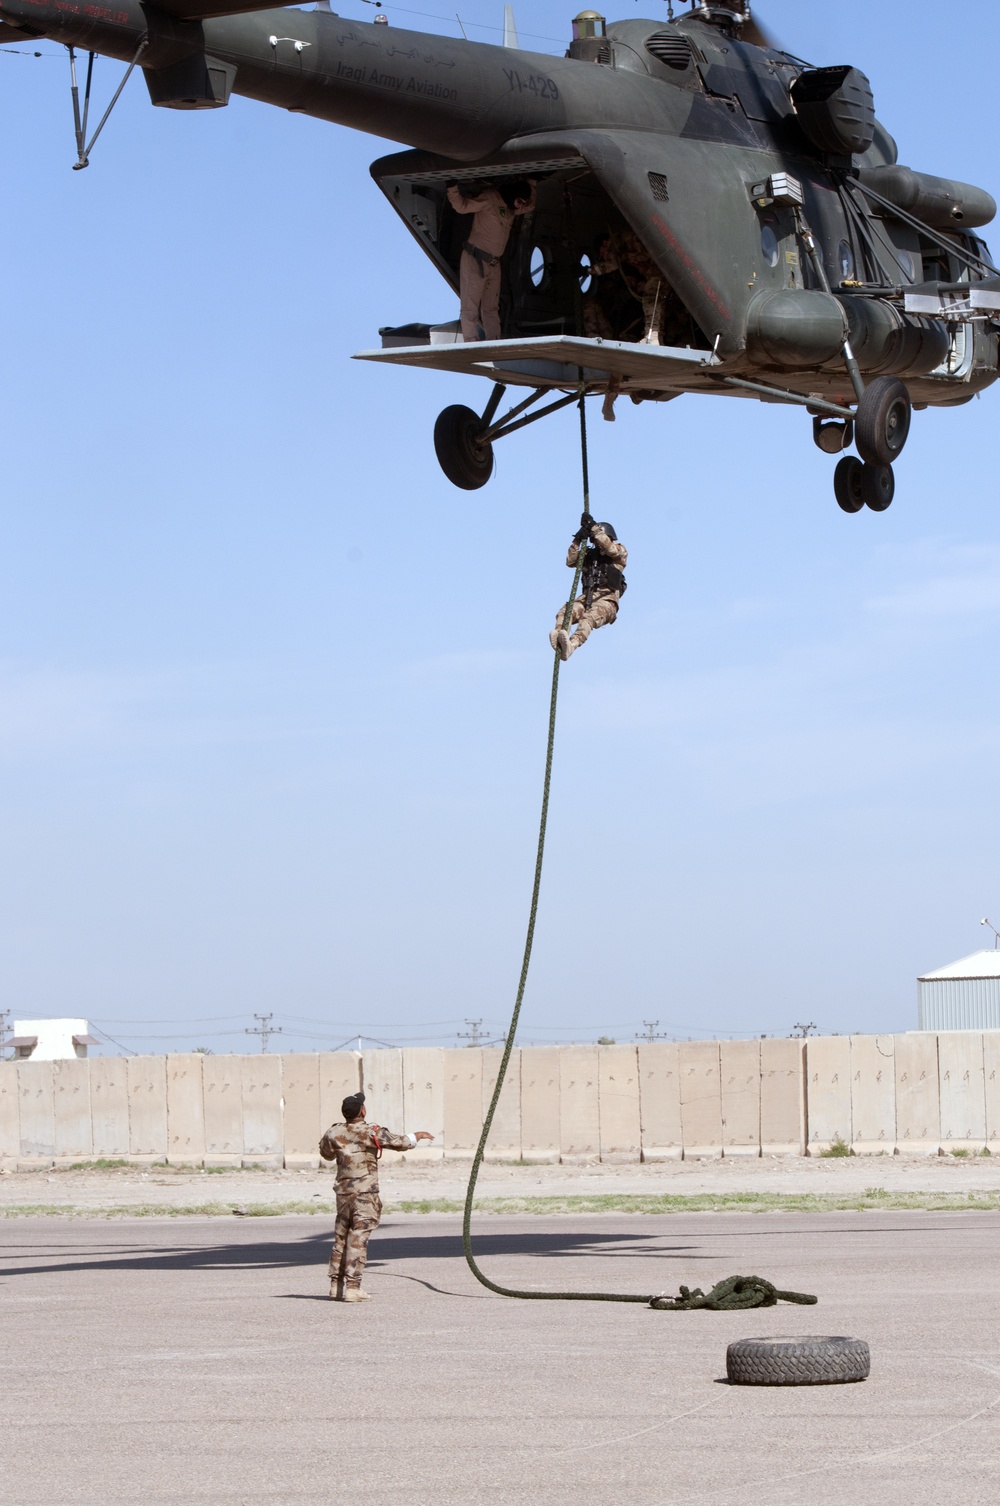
pixel 603 607
pixel 355 1148
pixel 479 271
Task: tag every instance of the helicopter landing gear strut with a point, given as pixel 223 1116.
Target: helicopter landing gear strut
pixel 463 441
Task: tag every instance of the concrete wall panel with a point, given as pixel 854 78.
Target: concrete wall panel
pixel 782 1097
pixel 618 1093
pixel 10 1126
pixel 918 1101
pixel 109 1107
pixel 301 1108
pixel 873 1095
pixel 540 1103
pixel 504 1143
pixel 991 1068
pixel 222 1076
pixel 36 1108
pixel 463 1102
pixel 701 1098
pixel 660 1101
pixel 71 1089
pixel 185 1109
pixel 383 1074
pixel 740 1068
pixel 423 1099
pixel 963 1090
pixel 828 1091
pixel 147 1107
pixel 340 1075
pixel 263 1131
pixel 579 1105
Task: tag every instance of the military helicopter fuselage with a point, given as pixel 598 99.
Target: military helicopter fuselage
pixel 800 263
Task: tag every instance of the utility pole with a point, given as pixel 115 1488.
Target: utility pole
pixel 803 1030
pixel 475 1035
pixel 652 1034
pixel 265 1029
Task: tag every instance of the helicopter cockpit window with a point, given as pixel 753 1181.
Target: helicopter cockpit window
pixel 907 265
pixel 769 244
pixel 845 261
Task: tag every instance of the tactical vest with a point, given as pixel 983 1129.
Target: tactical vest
pixel 599 574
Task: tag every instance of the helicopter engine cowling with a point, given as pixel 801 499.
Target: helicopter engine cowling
pixel 792 327
pixel 939 202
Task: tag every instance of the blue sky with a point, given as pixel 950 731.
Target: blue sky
pixel 273 693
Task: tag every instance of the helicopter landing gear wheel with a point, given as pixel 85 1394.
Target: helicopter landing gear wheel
pixel 464 456
pixel 878 486
pixel 847 484
pixel 882 421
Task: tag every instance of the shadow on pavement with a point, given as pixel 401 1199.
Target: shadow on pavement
pixel 309 1249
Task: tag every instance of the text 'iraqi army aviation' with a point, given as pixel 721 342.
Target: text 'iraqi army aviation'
pixel 673 207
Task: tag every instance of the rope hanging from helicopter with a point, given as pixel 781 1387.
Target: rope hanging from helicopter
pixel 734 1293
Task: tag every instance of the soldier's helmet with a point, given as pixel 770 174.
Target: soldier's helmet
pixel 609 531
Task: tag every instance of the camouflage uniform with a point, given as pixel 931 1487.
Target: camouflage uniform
pixel 355 1147
pixel 603 607
pixel 624 253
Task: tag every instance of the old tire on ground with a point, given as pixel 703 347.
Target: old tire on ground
pixel 882 421
pixel 847 484
pixel 463 456
pixel 809 1361
pixel 878 486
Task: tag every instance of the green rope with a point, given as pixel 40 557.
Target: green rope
pixel 737 1287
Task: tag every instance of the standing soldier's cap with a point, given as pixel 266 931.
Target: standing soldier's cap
pixel 352 1106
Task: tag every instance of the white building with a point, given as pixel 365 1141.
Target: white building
pixel 51 1040
pixel 965 995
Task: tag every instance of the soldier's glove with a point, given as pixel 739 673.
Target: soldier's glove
pixel 581 536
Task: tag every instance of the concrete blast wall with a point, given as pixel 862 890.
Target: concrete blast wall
pixel 918 1094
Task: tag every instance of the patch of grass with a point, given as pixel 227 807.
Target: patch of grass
pixel 836 1147
pixel 103 1164
pixel 876 1199
pixel 960 1151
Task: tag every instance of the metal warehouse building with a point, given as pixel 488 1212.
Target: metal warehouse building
pixel 965 995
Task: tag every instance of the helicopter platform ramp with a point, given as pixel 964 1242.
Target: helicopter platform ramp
pixel 558 361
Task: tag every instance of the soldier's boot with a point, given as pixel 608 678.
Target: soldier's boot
pixel 355 1294
pixel 554 638
pixel 564 644
pixel 336 1290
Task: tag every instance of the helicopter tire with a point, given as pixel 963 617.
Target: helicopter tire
pixel 878 486
pixel 847 484
pixel 465 458
pixel 882 421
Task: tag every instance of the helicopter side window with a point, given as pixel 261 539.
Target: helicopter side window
pixel 769 244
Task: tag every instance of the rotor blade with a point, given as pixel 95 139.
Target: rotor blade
pixel 758 36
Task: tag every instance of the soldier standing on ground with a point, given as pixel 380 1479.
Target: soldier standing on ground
pixel 356 1146
pixel 494 210
pixel 602 584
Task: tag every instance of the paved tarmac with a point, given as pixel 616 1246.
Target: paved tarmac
pixel 172 1362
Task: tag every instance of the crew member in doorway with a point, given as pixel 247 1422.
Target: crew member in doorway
pixel 602 584
pixel 494 211
pixel 356 1146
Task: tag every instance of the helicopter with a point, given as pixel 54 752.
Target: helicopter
pixel 796 260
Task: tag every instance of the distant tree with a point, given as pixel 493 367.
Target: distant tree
pixel 203 1051
pixel 606 1040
